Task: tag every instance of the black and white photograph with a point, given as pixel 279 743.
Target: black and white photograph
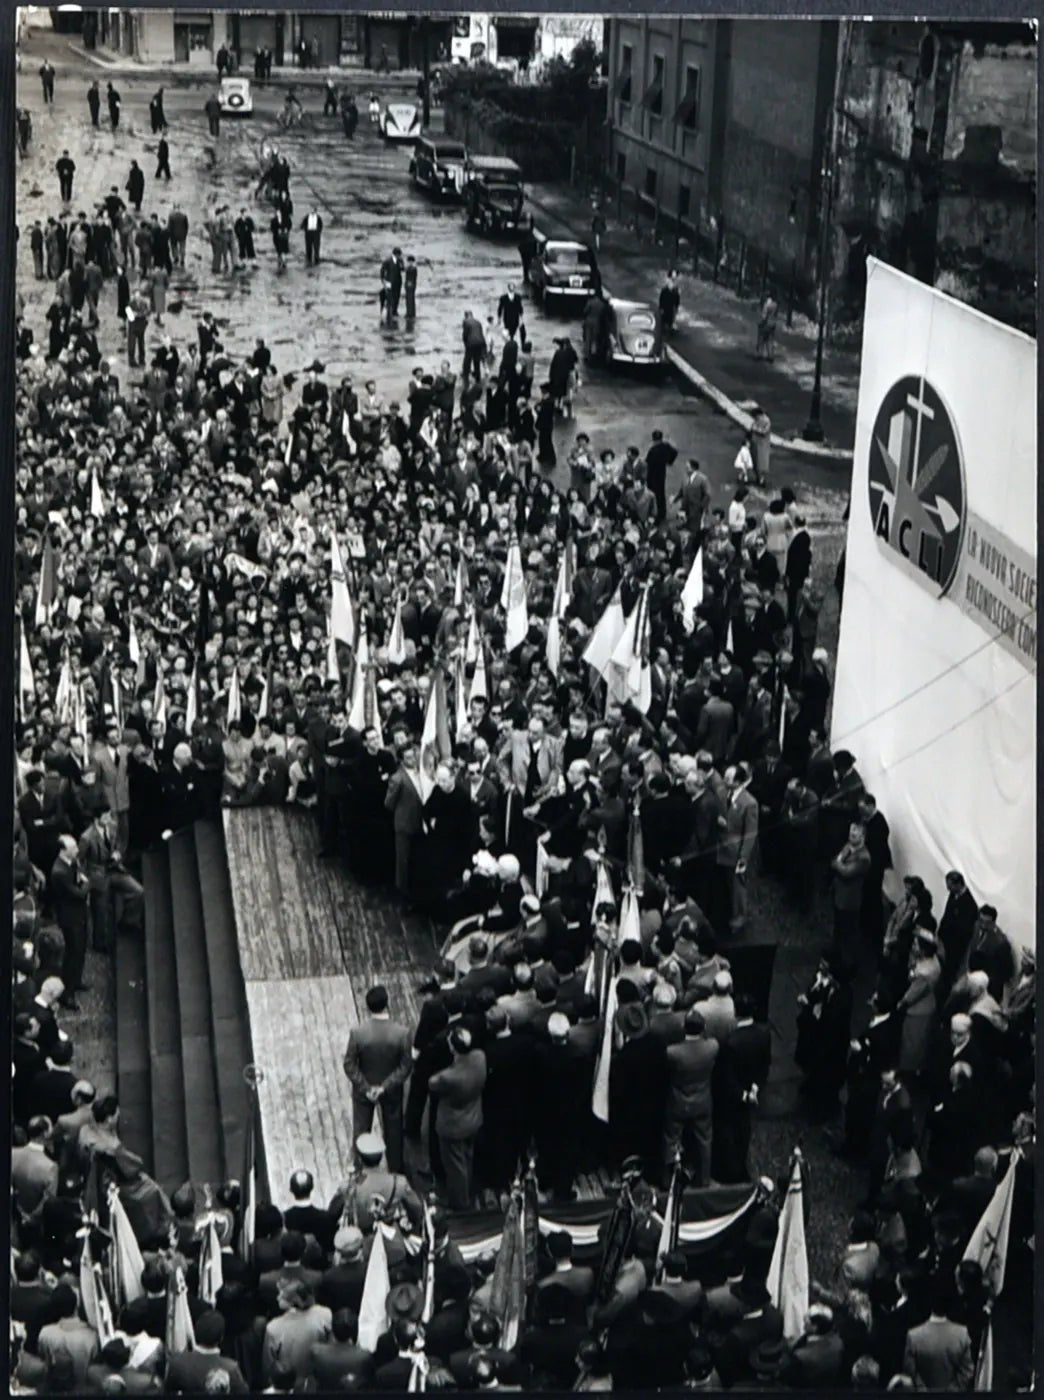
pixel 524 701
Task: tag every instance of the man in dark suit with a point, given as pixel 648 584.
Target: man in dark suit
pixel 562 1116
pixel 969 1196
pixel 187 1371
pixel 458 1116
pixel 956 928
pixel 31 1303
pixel 741 1072
pixel 341 1286
pixel 70 899
pixel 799 564
pixel 183 789
pixel 876 827
pixel 739 833
pixel 307 1218
pixel 341 1355
pixel 292 1270
pixel 758 1321
pixel 377 1061
pixel 507 1100
pixel 41 816
pixel 52 1086
pixel 579 1280
pixel 688 1112
pixel 156 557
pixel 403 800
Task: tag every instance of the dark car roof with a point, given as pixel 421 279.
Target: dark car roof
pixel 494 165
pixel 443 144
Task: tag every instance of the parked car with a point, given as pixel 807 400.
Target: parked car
pixel 564 270
pixel 236 98
pixel 635 335
pixel 438 166
pixel 493 193
pixel 400 121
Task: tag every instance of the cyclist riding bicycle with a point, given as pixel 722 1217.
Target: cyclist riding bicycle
pixel 292 109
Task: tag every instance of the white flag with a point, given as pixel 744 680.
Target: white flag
pixel 191 703
pixel 342 620
pixel 988 1245
pixel 513 599
pixel 630 925
pixel 133 645
pixel 553 648
pixel 472 645
pixel 459 583
pixel 357 707
pixel 235 700
pixel 479 684
pixel 372 1309
pixel 397 639
pixel 783 714
pixel 211 1270
pixel 629 677
pixel 787 1280
pixel 460 702
pixel 607 632
pixel 97 499
pixel 600 1095
pixel 346 432
pixel 692 593
pixel 26 679
pixel 333 665
pixel 124 1253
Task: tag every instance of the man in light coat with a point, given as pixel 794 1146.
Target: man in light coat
pixel 403 800
pixel 739 832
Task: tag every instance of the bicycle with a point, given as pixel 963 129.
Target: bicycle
pixel 291 115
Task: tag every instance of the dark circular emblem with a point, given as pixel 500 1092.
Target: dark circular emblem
pixel 916 481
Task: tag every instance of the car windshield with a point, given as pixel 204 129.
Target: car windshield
pixel 501 191
pixel 569 257
pixel 642 320
pixel 449 153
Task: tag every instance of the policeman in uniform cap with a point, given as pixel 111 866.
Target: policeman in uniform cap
pixel 380 1192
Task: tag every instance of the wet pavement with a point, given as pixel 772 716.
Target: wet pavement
pixel 363 192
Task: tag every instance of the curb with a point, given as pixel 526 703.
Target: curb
pixel 281 77
pixel 841 455
pixel 820 451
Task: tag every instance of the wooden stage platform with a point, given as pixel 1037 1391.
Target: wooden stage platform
pixel 311 941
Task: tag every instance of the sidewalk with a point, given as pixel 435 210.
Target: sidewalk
pixel 712 344
pixel 183 75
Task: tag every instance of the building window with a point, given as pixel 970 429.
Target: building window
pixel 650 182
pixel 684 197
pixel 688 113
pixel 623 81
pixel 621 167
pixel 653 97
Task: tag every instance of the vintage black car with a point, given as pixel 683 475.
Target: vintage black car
pixel 563 271
pixel 493 194
pixel 438 166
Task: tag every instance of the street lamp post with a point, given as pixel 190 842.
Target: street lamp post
pixel 425 71
pixel 814 427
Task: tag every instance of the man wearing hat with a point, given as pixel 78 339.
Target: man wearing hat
pixel 377 1061
pixel 549 1346
pixel 341 1286
pixel 380 1189
pixel 688 1118
pixel 759 1322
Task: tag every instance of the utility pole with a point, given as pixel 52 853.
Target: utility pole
pixel 425 71
pixel 814 427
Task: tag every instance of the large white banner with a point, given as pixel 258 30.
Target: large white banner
pixel 936 672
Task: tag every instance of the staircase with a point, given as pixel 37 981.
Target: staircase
pixel 182 1030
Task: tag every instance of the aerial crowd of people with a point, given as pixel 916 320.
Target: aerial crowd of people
pixel 590 846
